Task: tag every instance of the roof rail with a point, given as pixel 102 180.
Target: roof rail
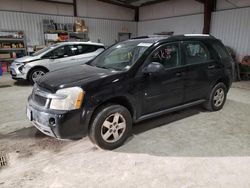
pixel 151 36
pixel 140 37
pixel 197 35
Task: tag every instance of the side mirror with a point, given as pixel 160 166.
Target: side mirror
pixel 153 67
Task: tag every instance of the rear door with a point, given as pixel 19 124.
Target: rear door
pixel 201 69
pixel 86 52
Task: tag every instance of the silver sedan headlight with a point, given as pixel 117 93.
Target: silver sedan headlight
pixel 26 68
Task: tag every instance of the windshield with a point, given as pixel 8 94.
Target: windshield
pixel 45 49
pixel 121 56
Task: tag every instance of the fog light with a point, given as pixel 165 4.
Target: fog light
pixel 52 121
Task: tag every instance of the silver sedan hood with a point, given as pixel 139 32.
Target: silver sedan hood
pixel 26 59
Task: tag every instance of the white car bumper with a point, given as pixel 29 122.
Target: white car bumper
pixel 16 71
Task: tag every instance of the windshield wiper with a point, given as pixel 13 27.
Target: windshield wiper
pixel 109 68
pixel 102 67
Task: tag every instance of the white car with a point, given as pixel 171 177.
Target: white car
pixel 57 56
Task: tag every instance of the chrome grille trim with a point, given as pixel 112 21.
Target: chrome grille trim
pixel 47 95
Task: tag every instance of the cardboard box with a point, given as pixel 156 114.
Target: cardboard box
pixel 81 29
pixel 51 37
pixel 79 23
pixel 5 56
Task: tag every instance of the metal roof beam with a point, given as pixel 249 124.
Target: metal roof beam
pixel 57 2
pixel 153 2
pixel 118 4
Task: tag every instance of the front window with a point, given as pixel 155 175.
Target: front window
pixel 167 55
pixel 121 56
pixel 45 49
pixel 61 52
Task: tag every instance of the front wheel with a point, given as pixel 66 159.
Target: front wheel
pixel 110 127
pixel 217 97
pixel 36 74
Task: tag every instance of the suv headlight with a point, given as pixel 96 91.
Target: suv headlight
pixel 71 99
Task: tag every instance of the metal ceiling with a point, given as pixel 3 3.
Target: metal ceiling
pixel 124 3
pixel 133 3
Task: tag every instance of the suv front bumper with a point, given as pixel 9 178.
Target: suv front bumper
pixel 59 124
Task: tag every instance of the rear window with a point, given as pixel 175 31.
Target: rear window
pixel 83 49
pixel 221 50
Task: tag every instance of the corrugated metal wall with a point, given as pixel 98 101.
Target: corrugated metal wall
pixel 233 28
pixel 31 24
pixel 180 25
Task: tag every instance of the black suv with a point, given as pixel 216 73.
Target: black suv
pixel 130 82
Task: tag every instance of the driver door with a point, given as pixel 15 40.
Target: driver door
pixel 165 89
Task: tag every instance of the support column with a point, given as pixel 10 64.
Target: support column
pixel 208 8
pixel 137 14
pixel 75 8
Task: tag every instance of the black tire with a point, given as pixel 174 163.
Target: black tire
pixel 210 103
pixel 97 129
pixel 30 76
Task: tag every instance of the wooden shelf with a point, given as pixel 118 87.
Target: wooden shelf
pixel 12 49
pixel 11 39
pixel 55 32
pixel 8 59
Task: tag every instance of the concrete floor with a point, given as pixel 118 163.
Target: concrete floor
pixel 186 149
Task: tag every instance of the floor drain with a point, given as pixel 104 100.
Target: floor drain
pixel 3 161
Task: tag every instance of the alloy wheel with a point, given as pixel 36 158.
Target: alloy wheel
pixel 113 128
pixel 219 96
pixel 37 74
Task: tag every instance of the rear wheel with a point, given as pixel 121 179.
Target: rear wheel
pixel 110 127
pixel 36 74
pixel 217 97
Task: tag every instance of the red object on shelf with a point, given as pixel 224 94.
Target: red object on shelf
pixel 4 67
pixel 1 71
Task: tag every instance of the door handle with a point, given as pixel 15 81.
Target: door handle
pixel 178 74
pixel 211 66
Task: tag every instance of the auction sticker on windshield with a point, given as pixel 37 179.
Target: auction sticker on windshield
pixel 145 44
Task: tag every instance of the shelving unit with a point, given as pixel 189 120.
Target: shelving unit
pixel 12 46
pixel 69 36
pixel 12 49
pixel 56 32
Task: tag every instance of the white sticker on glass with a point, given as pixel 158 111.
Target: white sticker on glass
pixel 145 44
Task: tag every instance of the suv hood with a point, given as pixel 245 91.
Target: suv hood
pixel 26 59
pixel 70 77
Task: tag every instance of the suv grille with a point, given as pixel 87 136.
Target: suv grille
pixel 38 99
pixel 41 101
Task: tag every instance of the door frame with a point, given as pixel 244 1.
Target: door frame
pixel 141 75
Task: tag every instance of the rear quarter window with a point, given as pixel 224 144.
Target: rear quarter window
pixel 221 50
